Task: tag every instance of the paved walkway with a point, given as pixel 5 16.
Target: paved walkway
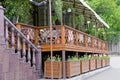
pixel 111 74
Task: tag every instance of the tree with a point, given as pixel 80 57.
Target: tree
pixel 109 10
pixel 18 10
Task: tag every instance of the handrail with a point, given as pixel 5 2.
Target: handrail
pixel 22 46
pixel 59 32
pixel 12 25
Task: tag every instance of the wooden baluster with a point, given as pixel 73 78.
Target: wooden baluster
pixel 33 61
pixel 106 45
pixel 12 38
pixel 18 45
pixel 36 36
pixel 29 56
pixel 76 38
pixel 23 49
pixel 97 43
pixel 6 33
pixel 86 41
pixel 92 42
pixel 102 46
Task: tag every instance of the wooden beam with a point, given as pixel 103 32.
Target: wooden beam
pixel 63 64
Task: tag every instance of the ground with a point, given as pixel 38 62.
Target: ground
pixel 111 74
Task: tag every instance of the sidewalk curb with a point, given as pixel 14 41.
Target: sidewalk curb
pixel 85 75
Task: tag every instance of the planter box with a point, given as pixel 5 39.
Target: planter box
pixel 72 68
pixel 98 65
pixel 103 62
pixel 92 64
pixel 57 69
pixel 84 66
pixel 107 62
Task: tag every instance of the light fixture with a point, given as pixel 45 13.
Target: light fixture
pixel 69 10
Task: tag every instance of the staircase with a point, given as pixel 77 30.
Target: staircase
pixel 19 58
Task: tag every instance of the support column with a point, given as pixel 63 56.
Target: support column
pixel 39 63
pixel 2 39
pixel 63 65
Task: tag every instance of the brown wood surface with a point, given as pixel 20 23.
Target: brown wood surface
pixel 72 68
pixel 99 65
pixel 69 47
pixel 92 64
pixel 57 69
pixel 85 65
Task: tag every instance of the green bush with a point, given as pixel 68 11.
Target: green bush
pixel 73 58
pixel 55 59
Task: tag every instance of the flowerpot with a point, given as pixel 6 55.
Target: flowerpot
pixel 58 41
pixel 103 62
pixel 98 61
pixel 92 64
pixel 107 62
pixel 57 69
pixel 72 68
pixel 85 66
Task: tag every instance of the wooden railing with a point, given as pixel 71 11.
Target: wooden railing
pixel 61 35
pixel 21 45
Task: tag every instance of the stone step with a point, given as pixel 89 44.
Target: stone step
pixel 83 76
pixel 14 68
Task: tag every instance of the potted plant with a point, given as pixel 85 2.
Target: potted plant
pixel 98 61
pixel 105 61
pixel 57 7
pixel 92 63
pixel 72 66
pixel 56 67
pixel 84 62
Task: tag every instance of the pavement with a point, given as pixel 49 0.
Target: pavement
pixel 111 74
pixel 107 73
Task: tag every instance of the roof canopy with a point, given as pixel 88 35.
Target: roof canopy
pixel 82 7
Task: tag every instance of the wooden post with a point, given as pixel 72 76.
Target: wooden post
pixel 106 45
pixel 86 43
pixel 92 42
pixel 76 38
pixel 39 63
pixel 2 39
pixel 63 64
pixel 36 36
pixel 63 34
pixel 18 26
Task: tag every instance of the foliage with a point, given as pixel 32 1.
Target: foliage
pixel 55 58
pixel 103 57
pixel 85 57
pixel 67 7
pixel 109 10
pixel 73 58
pixel 18 10
pixel 79 21
pixel 57 5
